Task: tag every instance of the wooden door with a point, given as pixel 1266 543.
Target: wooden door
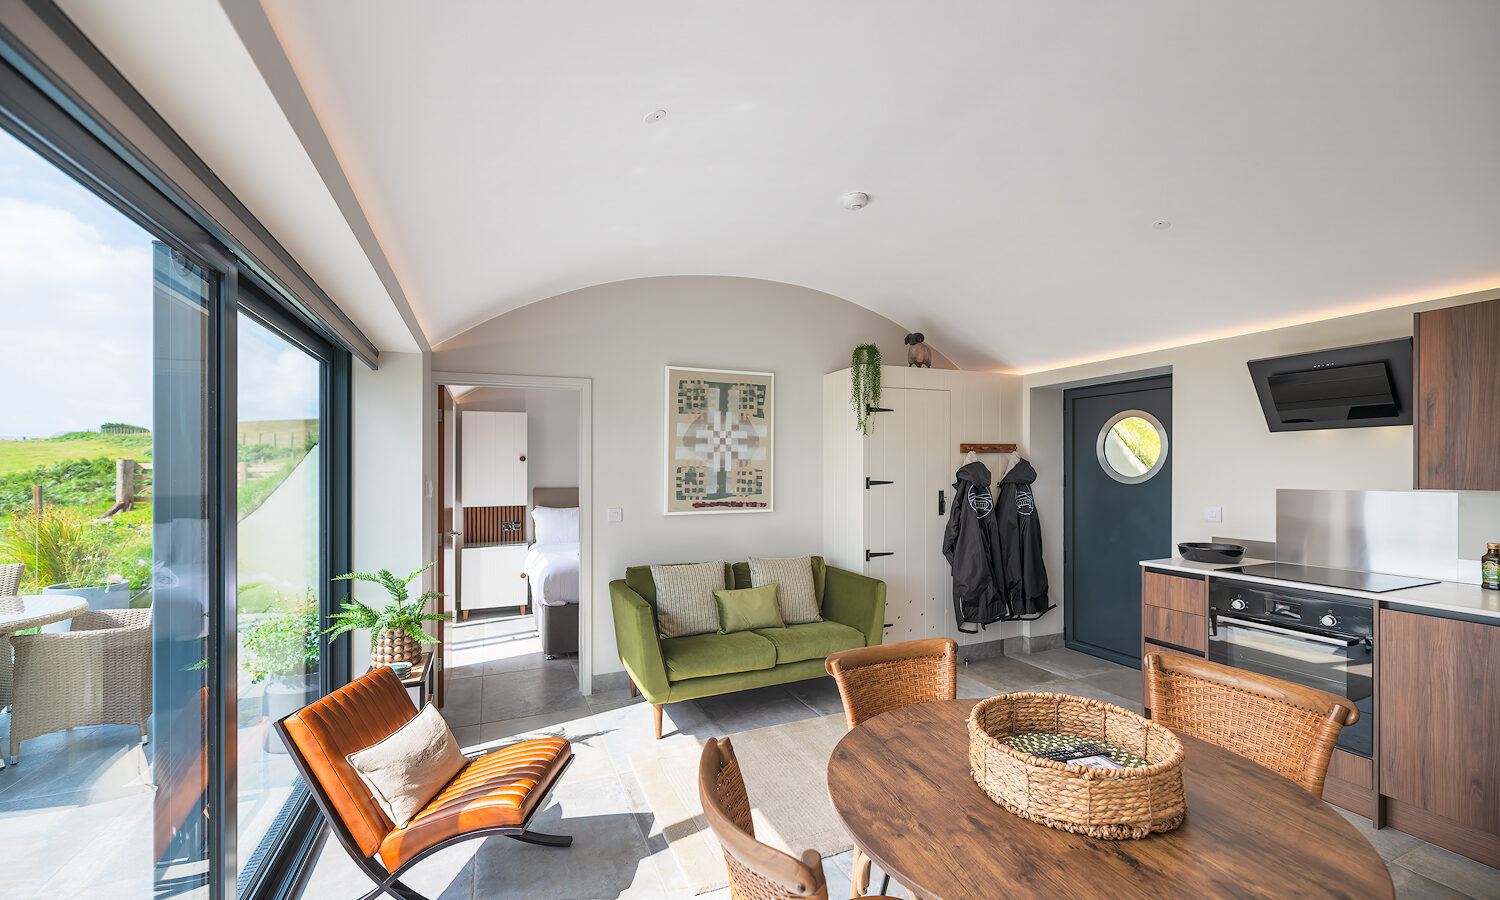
pixel 450 540
pixel 1458 398
pixel 908 447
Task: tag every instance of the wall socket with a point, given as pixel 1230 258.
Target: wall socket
pixel 1213 513
pixel 614 514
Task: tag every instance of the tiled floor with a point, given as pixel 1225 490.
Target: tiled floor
pixel 503 689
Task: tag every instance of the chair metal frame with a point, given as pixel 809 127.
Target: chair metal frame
pixel 387 881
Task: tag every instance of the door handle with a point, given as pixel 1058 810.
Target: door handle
pixel 1237 622
pixel 942 507
pixel 871 482
pixel 871 554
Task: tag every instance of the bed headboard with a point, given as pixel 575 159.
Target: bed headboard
pixel 556 497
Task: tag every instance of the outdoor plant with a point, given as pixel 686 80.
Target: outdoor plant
pixel 60 545
pixel 282 644
pixel 402 614
pixel 864 378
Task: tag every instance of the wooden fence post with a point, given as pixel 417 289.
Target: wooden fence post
pixel 36 500
pixel 124 484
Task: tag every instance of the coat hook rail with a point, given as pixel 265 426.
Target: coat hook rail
pixel 986 448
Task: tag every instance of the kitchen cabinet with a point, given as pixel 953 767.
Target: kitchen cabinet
pixel 1439 729
pixel 1174 618
pixel 1457 394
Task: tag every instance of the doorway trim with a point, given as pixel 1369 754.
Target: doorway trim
pixel 584 388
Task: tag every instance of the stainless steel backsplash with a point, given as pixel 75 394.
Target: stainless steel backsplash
pixel 1398 532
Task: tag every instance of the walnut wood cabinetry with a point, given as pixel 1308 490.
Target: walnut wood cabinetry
pixel 1458 398
pixel 1439 724
pixel 1174 616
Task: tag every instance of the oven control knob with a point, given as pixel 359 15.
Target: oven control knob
pixel 1237 604
pixel 1329 620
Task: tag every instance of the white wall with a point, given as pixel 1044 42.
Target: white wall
pixel 391 512
pixel 1223 453
pixel 622 336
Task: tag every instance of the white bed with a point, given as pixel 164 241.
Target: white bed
pixel 551 568
pixel 552 573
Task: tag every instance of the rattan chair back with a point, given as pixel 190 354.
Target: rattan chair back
pixel 10 578
pixel 756 871
pixel 873 680
pixel 1288 728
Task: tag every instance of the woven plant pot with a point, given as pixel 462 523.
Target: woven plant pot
pixel 1114 804
pixel 394 647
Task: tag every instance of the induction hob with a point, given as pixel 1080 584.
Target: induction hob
pixel 1373 582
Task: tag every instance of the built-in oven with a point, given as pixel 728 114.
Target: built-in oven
pixel 1325 641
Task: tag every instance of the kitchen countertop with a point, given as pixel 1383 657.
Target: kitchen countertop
pixel 1445 596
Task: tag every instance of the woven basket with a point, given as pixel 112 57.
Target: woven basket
pixel 1114 804
pixel 394 647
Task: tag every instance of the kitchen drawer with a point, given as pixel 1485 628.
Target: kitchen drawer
pixel 1178 592
pixel 1178 629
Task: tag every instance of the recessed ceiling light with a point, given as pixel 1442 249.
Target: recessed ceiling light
pixel 1161 224
pixel 856 200
pixel 655 115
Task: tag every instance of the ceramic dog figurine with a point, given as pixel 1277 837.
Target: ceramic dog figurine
pixel 917 352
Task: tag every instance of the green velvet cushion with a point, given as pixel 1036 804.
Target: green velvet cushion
pixel 638 579
pixel 746 609
pixel 814 640
pixel 717 654
pixel 741 576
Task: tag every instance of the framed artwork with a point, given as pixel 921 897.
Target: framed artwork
pixel 719 441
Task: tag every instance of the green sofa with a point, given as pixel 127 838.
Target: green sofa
pixel 702 665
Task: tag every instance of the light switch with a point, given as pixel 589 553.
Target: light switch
pixel 614 514
pixel 1213 513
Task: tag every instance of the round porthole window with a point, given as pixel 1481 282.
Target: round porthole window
pixel 1132 446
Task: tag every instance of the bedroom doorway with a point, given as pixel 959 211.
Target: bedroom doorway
pixel 512 542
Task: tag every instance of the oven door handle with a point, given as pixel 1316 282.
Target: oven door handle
pixel 1289 632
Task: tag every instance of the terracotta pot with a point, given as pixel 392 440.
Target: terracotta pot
pixel 395 646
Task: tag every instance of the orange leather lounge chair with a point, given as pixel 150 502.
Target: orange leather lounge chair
pixel 497 793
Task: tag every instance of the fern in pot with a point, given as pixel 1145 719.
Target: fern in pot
pixel 396 632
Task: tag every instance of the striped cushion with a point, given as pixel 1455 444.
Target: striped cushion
pixel 795 593
pixel 685 598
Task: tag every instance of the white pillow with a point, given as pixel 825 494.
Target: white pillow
pixel 410 766
pixel 555 525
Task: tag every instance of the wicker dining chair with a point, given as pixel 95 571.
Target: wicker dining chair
pixel 756 871
pixel 97 673
pixel 1288 728
pixel 878 679
pixel 10 585
pixel 10 578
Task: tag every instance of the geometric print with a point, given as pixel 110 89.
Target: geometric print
pixel 718 441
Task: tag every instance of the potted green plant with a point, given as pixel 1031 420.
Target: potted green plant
pixel 396 633
pixel 864 384
pixel 281 650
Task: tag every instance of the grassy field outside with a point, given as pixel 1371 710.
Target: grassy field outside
pixel 23 456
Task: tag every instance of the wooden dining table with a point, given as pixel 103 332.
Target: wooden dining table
pixel 901 784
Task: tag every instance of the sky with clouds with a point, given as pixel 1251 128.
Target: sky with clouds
pixel 75 314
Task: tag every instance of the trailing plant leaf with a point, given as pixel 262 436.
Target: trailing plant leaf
pixel 864 379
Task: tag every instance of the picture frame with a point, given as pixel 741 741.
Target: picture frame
pixel 718 450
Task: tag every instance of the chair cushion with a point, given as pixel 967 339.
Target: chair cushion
pixel 409 767
pixel 685 598
pixel 749 608
pixel 716 654
pixel 813 640
pixel 497 790
pixel 796 595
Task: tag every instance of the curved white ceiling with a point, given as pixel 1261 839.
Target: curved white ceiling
pixel 1312 158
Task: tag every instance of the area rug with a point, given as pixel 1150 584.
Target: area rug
pixel 786 775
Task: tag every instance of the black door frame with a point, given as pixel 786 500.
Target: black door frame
pixel 1146 383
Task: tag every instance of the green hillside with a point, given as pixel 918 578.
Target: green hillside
pixel 22 456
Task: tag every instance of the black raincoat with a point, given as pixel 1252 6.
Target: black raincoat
pixel 971 543
pixel 1021 571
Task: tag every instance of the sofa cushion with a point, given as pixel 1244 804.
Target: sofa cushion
pixel 638 579
pixel 795 594
pixel 716 654
pixel 740 576
pixel 813 640
pixel 685 598
pixel 746 609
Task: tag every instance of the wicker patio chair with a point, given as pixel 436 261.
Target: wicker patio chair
pixel 756 871
pixel 10 578
pixel 873 680
pixel 10 585
pixel 98 673
pixel 1288 728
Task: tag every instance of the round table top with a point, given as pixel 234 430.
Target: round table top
pixel 901 784
pixel 32 610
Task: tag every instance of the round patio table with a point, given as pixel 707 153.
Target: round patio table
pixel 30 611
pixel 901 784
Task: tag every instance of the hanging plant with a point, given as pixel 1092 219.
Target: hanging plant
pixel 864 379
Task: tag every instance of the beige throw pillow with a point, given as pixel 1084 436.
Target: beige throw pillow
pixel 795 593
pixel 685 598
pixel 409 767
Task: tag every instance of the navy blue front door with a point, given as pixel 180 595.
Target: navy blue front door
pixel 1117 492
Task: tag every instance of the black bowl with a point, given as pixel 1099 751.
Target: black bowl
pixel 1210 553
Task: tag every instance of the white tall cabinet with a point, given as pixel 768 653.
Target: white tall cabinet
pixel 894 531
pixel 492 473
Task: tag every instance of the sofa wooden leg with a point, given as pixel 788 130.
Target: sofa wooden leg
pixel 656 714
pixel 633 691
